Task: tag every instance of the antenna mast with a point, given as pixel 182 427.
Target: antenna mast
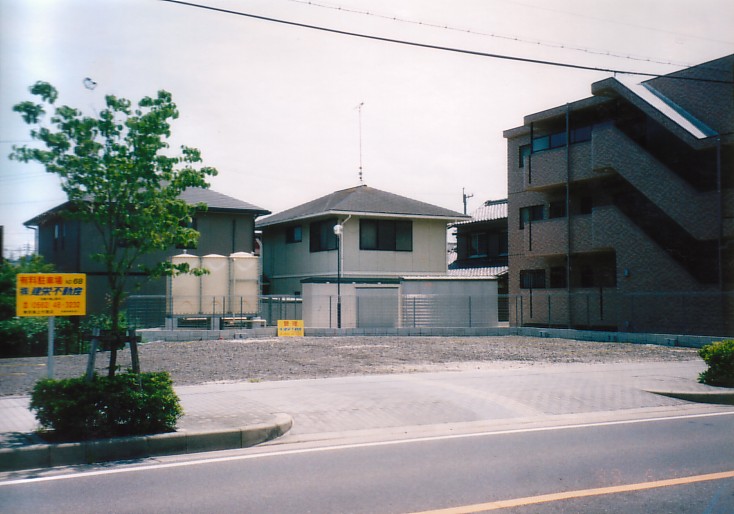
pixel 359 109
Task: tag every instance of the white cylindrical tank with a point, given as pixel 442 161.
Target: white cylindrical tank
pixel 215 284
pixel 244 283
pixel 185 298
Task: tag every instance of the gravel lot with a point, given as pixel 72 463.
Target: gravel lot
pixel 317 357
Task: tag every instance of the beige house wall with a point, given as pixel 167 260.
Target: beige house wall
pixel 286 264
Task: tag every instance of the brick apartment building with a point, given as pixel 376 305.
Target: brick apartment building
pixel 621 207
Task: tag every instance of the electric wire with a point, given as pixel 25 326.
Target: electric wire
pixel 549 44
pixel 443 48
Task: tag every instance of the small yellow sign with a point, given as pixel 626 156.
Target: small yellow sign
pixel 51 294
pixel 290 328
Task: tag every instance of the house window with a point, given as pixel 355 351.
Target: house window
pixel 531 213
pixel 386 235
pixel 59 235
pixel 558 277
pixel 478 245
pixel 532 279
pixel 322 237
pixel 497 244
pixel 294 234
pixel 524 154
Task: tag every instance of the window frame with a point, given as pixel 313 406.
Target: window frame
pixel 294 234
pixel 390 235
pixel 321 236
pixel 532 279
pixel 534 213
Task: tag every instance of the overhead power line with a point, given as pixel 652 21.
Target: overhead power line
pixel 438 47
pixel 505 37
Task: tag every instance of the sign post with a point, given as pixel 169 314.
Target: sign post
pixel 51 295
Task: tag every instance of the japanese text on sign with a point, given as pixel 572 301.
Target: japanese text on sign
pixel 51 294
pixel 290 327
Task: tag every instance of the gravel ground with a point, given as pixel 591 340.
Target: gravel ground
pixel 318 357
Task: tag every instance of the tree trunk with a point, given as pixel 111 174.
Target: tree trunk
pixel 115 331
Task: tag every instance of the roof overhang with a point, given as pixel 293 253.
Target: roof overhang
pixel 361 214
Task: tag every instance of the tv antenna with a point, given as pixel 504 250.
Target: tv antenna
pixel 359 109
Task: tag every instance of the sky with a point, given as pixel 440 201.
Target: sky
pixel 276 107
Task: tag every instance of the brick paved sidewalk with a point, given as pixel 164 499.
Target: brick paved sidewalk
pixel 492 392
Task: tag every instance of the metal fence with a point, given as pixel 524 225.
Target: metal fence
pixel 600 309
pixel 158 311
pixel 699 313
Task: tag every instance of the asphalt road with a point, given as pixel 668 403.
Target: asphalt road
pixel 468 472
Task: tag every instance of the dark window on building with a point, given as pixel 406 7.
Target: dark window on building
pixel 59 235
pixel 478 245
pixel 531 213
pixel 558 277
pixel 321 235
pixel 541 143
pixel 294 234
pixel 532 279
pixel 386 235
pixel 524 154
pixel 558 140
pixel 497 244
pixel 557 209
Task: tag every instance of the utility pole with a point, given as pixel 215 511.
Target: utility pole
pixel 465 197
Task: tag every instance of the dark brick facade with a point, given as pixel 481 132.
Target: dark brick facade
pixel 621 207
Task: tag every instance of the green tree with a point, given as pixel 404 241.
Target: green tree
pixel 119 176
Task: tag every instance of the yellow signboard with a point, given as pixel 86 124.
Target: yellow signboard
pixel 51 294
pixel 290 328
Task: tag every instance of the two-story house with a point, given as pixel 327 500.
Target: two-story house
pixel 359 243
pixel 227 226
pixel 621 207
pixel 384 236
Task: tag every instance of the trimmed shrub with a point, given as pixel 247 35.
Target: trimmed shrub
pixel 720 358
pixel 126 404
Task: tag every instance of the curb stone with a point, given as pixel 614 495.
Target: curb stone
pixel 123 448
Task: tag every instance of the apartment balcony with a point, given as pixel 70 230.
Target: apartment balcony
pixel 550 237
pixel 547 169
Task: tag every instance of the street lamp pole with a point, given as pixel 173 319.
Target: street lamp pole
pixel 338 231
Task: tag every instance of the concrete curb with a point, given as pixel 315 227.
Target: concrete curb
pixel 124 448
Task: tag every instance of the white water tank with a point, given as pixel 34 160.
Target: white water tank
pixel 215 284
pixel 185 297
pixel 245 283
